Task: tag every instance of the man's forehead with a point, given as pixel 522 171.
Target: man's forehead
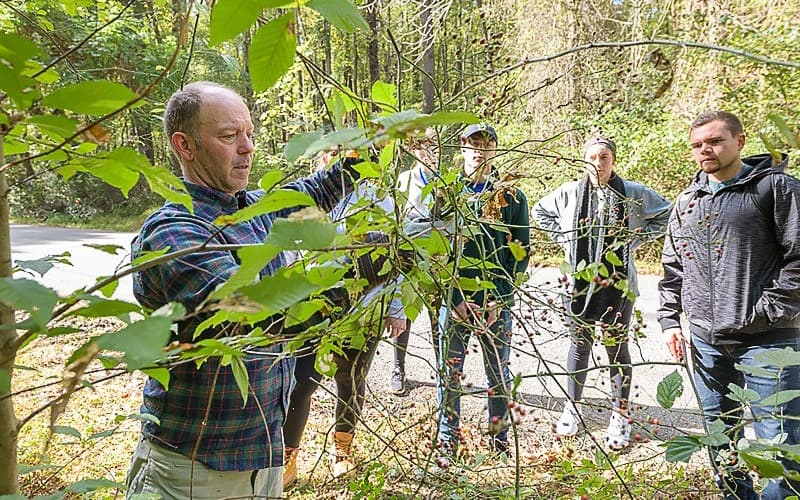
pixel 480 136
pixel 716 128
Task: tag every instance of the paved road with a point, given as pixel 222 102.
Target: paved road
pixel 37 242
pixel 33 242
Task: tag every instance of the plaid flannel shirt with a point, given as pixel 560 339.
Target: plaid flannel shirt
pixel 233 436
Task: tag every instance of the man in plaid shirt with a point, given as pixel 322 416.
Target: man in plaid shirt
pixel 206 444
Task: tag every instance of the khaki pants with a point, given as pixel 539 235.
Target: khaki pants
pixel 172 475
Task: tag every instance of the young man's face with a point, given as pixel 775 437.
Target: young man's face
pixel 599 164
pixel 224 155
pixel 478 150
pixel 716 150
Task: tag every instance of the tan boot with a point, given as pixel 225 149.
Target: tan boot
pixel 289 466
pixel 342 459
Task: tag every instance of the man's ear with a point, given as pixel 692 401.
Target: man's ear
pixel 740 140
pixel 184 145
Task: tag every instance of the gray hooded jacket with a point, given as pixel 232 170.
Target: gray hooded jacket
pixel 648 213
pixel 732 258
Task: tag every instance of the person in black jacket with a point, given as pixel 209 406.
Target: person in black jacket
pixel 732 266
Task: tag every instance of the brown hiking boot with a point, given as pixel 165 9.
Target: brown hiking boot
pixel 342 459
pixel 289 466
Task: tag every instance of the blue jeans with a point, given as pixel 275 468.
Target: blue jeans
pixel 454 341
pixel 713 370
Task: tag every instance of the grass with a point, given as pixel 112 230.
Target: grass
pixel 95 440
pixel 113 221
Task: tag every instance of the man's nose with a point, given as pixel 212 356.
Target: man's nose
pixel 246 145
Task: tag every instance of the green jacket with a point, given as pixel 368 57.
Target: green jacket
pixel 486 254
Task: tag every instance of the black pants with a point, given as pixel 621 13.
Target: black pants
pixel 350 378
pixel 615 339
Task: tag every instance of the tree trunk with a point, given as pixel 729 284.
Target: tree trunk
pixel 428 61
pixel 372 50
pixel 178 11
pixel 326 40
pixel 9 427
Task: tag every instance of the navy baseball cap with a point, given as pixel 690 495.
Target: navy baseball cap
pixel 483 128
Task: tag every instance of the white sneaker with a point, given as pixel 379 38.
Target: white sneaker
pixel 570 420
pixel 618 434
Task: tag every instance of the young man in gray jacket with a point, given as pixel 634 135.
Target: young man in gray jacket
pixel 732 265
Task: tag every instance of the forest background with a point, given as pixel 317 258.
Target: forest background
pixel 544 74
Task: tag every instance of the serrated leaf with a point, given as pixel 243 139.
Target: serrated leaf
pixel 758 371
pixel 324 361
pixel 105 308
pixel 741 394
pixel 298 144
pixel 87 485
pixel 670 388
pixel 348 138
pixel 116 168
pixel 716 436
pixel 385 95
pixel 54 125
pixel 786 132
pixel 159 374
pixel 368 170
pixel 302 311
pixel 280 291
pixel 387 155
pixel 93 97
pixel 229 18
pixel 408 120
pixel 148 256
pixel 144 417
pixel 517 250
pixel 109 289
pixel 764 467
pixel 142 343
pixel 773 150
pixel 101 434
pixel 67 431
pixel 241 377
pixel 779 398
pixel 28 295
pixel 613 258
pixel 107 248
pixel 779 358
pixel 270 179
pixel 341 13
pixel 270 202
pixel 308 233
pixel 253 259
pixel 272 52
pixel 565 268
pixel 681 448
pixel 26 469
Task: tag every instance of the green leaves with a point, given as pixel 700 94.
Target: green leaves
pixel 741 394
pixel 307 231
pixel 95 97
pixel 270 202
pixel 272 52
pixel 681 448
pixel 30 296
pixel 341 13
pixel 670 388
pixel 791 138
pixel 16 55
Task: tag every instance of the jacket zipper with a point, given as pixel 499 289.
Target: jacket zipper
pixel 710 267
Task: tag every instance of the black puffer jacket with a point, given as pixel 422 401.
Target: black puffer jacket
pixel 732 259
